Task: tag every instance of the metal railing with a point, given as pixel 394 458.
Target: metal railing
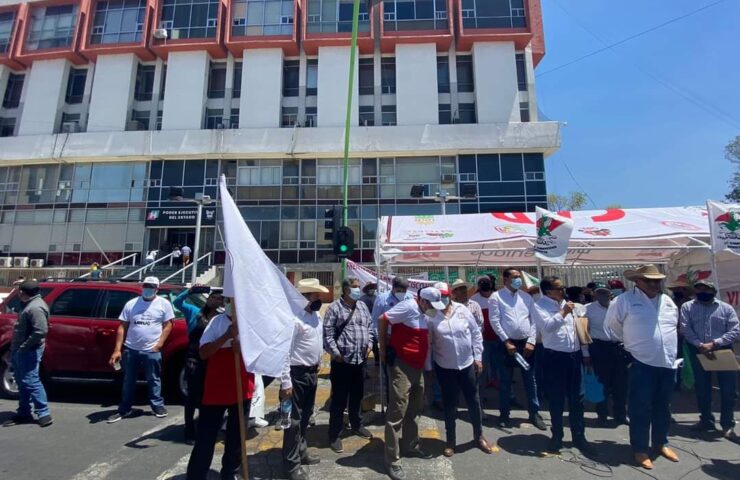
pixel 133 262
pixel 145 267
pixel 188 267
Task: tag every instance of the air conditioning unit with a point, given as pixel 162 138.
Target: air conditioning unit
pixel 6 262
pixel 446 179
pixel 20 262
pixel 70 127
pixel 37 263
pixel 134 125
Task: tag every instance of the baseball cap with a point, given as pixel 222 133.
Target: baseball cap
pixel 443 288
pixel 706 283
pixel 600 286
pixel 151 281
pixel 433 296
pixel 29 287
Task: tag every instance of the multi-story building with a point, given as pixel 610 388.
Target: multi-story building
pixel 107 103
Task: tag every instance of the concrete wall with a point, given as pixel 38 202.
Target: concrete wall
pixel 185 90
pixel 262 88
pixel 416 84
pixel 496 90
pixel 333 81
pixel 112 92
pixel 47 85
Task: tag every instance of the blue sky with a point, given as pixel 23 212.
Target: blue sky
pixel 630 139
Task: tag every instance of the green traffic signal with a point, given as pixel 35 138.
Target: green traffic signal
pixel 343 248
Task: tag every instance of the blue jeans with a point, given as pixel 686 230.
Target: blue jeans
pixel 132 360
pixel 506 365
pixel 703 387
pixel 649 405
pixel 563 377
pixel 31 390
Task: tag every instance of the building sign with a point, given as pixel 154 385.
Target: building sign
pixel 179 216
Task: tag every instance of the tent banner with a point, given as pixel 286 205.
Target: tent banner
pixel 553 236
pixel 365 276
pixel 725 226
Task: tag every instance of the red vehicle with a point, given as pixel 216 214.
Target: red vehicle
pixel 83 319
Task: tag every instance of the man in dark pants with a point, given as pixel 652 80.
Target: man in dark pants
pixel 300 378
pixel 348 339
pixel 27 348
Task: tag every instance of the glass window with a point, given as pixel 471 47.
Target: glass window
pixel 465 79
pixel 366 76
pixel 52 27
pixel 524 111
pixel 217 80
pixel 259 172
pixel 289 116
pixel 14 304
pixel 38 184
pixel 445 114
pixel 536 188
pixel 139 120
pixel 367 115
pixel 493 14
pixel 76 85
pixel 7 126
pixel 388 74
pixel 7 20
pixel 534 162
pixel 521 72
pixel 467 113
pixel 189 18
pixel 237 92
pixel 118 21
pixel 214 118
pixel 511 166
pixel 113 303
pixel 312 77
pixel 234 118
pixel 388 113
pixel 13 90
pixel 112 182
pixel 331 16
pixel 443 74
pixel 144 83
pixel 415 15
pixel 488 168
pixel 311 117
pixel 262 17
pixel 291 75
pixel 75 302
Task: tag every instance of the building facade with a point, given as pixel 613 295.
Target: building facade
pixel 108 103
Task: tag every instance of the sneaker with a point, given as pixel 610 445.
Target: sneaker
pixel 116 417
pixel 18 420
pixel 159 412
pixel 258 422
pixel 45 421
pixel 395 472
pixel 336 445
pixel 730 434
pixel 310 460
pixel 362 432
pixel 538 422
pixel 419 453
pixel 298 474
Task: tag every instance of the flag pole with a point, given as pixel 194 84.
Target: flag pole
pixel 712 250
pixel 240 401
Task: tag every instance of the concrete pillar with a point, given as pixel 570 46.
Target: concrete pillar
pixel 262 88
pixel 47 85
pixel 112 92
pixel 229 87
pixel 378 86
pixel 417 100
pixel 496 88
pixel 302 86
pixel 531 90
pixel 156 93
pixel 333 80
pixel 185 90
pixel 4 75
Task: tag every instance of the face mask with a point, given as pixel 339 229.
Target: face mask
pixel 430 312
pixel 148 293
pixel 446 301
pixel 604 302
pixel 617 291
pixel 355 293
pixel 400 296
pixel 315 305
pixel 229 309
pixel 705 296
pixel 485 287
pixel 516 284
pixel 371 293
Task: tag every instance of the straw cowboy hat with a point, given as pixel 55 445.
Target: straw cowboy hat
pixel 459 283
pixel 645 272
pixel 311 285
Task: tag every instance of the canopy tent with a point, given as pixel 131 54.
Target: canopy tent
pixel 620 236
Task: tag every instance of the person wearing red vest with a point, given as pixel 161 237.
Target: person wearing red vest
pixel 218 346
pixel 490 340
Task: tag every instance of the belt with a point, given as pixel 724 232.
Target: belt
pixel 305 368
pixel 575 354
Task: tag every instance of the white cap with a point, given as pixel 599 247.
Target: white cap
pixel 151 281
pixel 433 296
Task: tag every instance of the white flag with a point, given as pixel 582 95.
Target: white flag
pixel 266 301
pixel 553 236
pixel 724 224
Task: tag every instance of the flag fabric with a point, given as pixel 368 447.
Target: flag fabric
pixel 266 301
pixel 553 236
pixel 365 276
pixel 724 226
pixel 530 280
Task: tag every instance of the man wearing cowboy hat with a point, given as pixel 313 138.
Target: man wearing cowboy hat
pixel 708 325
pixel 460 295
pixel 300 377
pixel 646 320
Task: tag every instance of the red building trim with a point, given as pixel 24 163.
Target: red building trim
pixel 71 53
pixel 8 58
pixel 312 41
pixel 140 49
pixel 442 38
pixel 288 43
pixel 214 46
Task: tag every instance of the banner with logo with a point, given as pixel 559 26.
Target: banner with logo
pixel 724 224
pixel 365 275
pixel 553 236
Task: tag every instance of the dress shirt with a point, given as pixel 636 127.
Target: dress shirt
pixel 649 333
pixel 306 347
pixel 509 314
pixel 384 302
pixel 715 322
pixel 558 332
pixel 476 311
pixel 596 315
pixel 456 340
pixel 356 335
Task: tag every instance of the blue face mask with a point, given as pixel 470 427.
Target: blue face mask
pixel 148 293
pixel 516 284
pixel 355 293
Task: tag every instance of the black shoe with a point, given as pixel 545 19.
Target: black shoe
pixel 703 426
pixel 586 448
pixel 538 422
pixel 336 445
pixel 419 453
pixel 159 412
pixel 396 472
pixel 622 421
pixel 310 460
pixel 45 421
pixel 362 432
pixel 504 422
pixel 18 420
pixel 602 422
pixel 298 474
pixel 554 445
pixel 118 416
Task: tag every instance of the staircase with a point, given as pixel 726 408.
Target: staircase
pixel 161 271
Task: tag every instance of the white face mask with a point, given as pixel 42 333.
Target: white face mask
pixel 229 309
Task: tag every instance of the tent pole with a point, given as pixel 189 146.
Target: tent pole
pixel 712 253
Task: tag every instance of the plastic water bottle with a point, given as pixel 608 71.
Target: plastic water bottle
pixel 286 407
pixel 521 361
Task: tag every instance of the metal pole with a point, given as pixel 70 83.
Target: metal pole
pixel 196 247
pixel 712 253
pixel 443 199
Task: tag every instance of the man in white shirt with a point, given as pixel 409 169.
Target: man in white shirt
pixel 146 322
pixel 646 320
pixel 300 378
pixel 509 314
pixel 608 357
pixel 564 358
pixel 186 254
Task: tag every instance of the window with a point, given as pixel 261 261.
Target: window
pixel 163 83
pixel 388 74
pixel 259 172
pixel 144 83
pixel 52 27
pixel 7 20
pixel 466 113
pixel 289 116
pixel 139 120
pixel 13 91
pixel 7 127
pixel 312 77
pixel 113 303
pixel 443 74
pixel 237 91
pixel 366 76
pixel 76 85
pixel 262 17
pixel 291 74
pixel 118 21
pixel 389 115
pixel 512 166
pixel 493 14
pixel 524 111
pixel 367 115
pixel 75 302
pixel 521 72
pixel 214 118
pixel 330 16
pixel 311 114
pixel 70 123
pixel 465 79
pixel 217 80
pixel 445 114
pixel 415 15
pixel 15 305
pixel 189 18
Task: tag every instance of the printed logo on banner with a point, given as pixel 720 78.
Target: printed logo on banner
pixel 210 214
pixel 546 225
pixel 728 224
pixel 424 219
pixel 510 230
pixel 152 215
pixel 596 232
pixel 693 276
pixel 427 234
pixel 681 226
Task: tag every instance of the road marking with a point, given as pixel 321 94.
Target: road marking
pixel 177 469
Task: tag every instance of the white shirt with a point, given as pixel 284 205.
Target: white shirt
pixel 558 332
pixel 151 255
pixel 186 250
pixel 596 315
pixel 307 345
pixel 216 329
pixel 648 332
pixel 509 314
pixel 455 340
pixel 482 301
pixel 145 321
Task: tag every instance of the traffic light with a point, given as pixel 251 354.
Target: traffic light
pixel 332 222
pixel 344 242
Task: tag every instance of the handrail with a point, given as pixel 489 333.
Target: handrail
pixel 120 260
pixel 187 267
pixel 139 270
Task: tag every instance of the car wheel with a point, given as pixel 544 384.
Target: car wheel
pixel 8 385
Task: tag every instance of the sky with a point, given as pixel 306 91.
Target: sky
pixel 648 120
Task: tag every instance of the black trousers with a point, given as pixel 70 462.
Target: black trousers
pixel 563 378
pixel 347 386
pixel 452 383
pixel 304 381
pixel 610 366
pixel 195 377
pixel 210 419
